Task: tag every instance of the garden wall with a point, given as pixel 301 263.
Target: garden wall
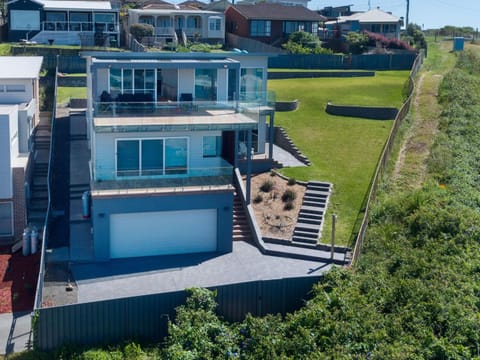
pixel 366 112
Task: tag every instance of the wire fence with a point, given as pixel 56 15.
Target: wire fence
pixel 383 162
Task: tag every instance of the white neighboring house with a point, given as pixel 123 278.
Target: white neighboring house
pixel 375 21
pixel 170 24
pixel 303 3
pixel 19 89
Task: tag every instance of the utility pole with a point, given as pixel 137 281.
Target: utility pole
pixel 369 5
pixel 408 11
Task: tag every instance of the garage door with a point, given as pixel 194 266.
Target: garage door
pixel 163 232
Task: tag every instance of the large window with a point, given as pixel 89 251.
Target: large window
pixel 206 84
pixel 16 88
pixel 6 220
pixel 260 28
pixel 24 20
pixel 214 24
pixel 212 146
pixel 129 81
pixel 150 157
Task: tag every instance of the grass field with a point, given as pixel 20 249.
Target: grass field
pixel 64 94
pixel 342 150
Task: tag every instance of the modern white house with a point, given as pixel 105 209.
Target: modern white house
pixel 64 22
pixel 166 132
pixel 173 24
pixel 19 89
pixel 375 21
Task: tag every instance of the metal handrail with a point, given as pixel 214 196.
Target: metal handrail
pixel 46 230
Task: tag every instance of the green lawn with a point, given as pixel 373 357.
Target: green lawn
pixel 342 150
pixel 64 94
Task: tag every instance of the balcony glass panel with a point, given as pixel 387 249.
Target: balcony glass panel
pixel 152 157
pixel 176 151
pixel 128 158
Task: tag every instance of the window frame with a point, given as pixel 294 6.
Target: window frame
pixel 218 146
pixel 164 170
pixel 263 31
pixel 12 228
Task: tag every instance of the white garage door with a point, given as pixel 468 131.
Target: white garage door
pixel 163 232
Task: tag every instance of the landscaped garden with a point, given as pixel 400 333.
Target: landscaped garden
pixel 343 151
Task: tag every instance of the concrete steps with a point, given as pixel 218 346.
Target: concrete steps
pixel 241 228
pixel 311 215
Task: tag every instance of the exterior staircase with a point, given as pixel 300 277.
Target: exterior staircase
pixel 241 229
pixel 311 216
pixel 38 201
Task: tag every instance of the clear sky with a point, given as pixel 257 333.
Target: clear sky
pixel 432 14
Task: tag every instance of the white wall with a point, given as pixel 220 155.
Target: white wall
pixel 186 82
pixel 105 150
pixel 16 97
pixel 101 82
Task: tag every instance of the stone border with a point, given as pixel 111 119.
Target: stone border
pixel 286 105
pixel 283 140
pixel 274 75
pixel 366 112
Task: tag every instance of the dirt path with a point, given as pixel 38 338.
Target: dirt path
pixel 410 168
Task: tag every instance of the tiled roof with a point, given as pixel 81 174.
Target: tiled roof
pixel 372 16
pixel 266 11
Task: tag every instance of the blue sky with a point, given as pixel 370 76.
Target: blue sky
pixel 429 13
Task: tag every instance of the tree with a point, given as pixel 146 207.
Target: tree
pixel 357 42
pixel 301 42
pixel 415 36
pixel 139 31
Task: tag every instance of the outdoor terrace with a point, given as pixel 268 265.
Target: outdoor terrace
pixel 183 115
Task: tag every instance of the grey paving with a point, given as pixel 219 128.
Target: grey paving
pixel 15 332
pixel 132 277
pixel 284 157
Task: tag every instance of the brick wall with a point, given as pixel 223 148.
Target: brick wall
pixel 19 202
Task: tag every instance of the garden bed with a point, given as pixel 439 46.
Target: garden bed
pixel 273 217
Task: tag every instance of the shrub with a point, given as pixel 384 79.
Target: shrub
pixel 273 173
pixel 289 205
pixel 267 186
pixel 258 199
pixel 291 181
pixel 139 31
pixel 289 195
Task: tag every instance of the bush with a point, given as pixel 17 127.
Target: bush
pixel 289 205
pixel 267 186
pixel 139 31
pixel 289 195
pixel 258 199
pixel 291 181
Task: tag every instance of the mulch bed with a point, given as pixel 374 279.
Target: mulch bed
pixel 18 280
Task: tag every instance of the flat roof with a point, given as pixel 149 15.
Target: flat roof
pixel 20 67
pixel 75 5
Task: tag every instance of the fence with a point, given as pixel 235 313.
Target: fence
pixel 145 318
pixel 46 229
pixel 344 62
pixel 382 164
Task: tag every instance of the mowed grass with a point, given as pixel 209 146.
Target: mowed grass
pixel 344 151
pixel 65 93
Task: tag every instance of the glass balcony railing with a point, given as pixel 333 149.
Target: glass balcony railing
pixel 248 103
pixel 80 26
pixel 173 178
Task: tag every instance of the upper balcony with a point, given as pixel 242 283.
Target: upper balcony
pixel 182 115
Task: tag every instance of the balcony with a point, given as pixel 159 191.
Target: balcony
pixel 83 26
pixel 111 181
pixel 183 115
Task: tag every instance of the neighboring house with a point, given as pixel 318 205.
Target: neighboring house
pixel 334 12
pixel 375 21
pixel 270 23
pixel 19 89
pixel 70 22
pixel 174 24
pixel 303 3
pixel 166 132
